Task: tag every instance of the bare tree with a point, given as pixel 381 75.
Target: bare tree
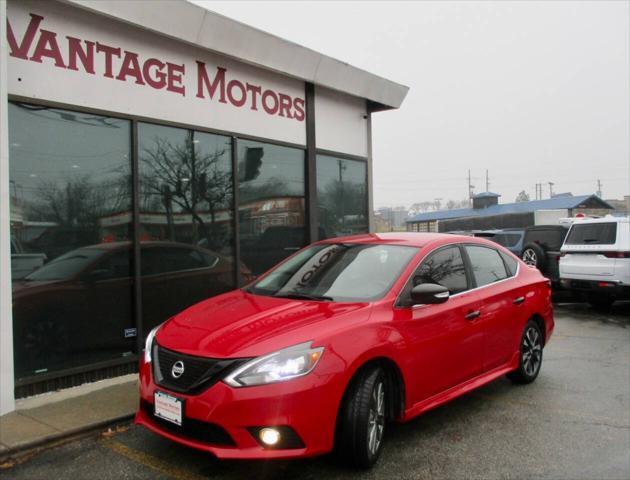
pixel 523 196
pixel 80 201
pixel 193 182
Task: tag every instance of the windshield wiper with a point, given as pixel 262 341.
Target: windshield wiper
pixel 304 296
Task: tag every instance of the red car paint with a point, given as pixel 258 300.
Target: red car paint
pixel 438 353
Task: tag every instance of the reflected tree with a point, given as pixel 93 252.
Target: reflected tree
pixel 80 201
pixel 179 178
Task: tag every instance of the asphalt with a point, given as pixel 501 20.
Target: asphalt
pixel 572 423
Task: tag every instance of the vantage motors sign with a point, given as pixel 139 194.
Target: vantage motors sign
pixel 59 53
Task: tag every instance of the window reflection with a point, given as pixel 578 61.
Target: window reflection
pixel 186 227
pixel 341 196
pixel 69 175
pixel 271 197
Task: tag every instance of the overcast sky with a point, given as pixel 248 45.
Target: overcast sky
pixel 535 92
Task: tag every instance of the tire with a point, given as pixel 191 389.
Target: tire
pixel 534 255
pixel 530 355
pixel 601 302
pixel 363 418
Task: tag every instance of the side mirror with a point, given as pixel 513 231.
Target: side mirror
pixel 429 294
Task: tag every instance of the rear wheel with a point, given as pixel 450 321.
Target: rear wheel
pixel 363 418
pixel 534 255
pixel 531 355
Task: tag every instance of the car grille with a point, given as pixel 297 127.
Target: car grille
pixel 191 429
pixel 199 373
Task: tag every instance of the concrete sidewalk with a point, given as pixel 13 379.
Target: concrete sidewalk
pixel 51 417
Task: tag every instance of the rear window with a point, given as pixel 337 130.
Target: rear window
pixel 487 265
pixel 592 234
pixel 507 239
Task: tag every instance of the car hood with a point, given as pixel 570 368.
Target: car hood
pixel 239 324
pixel 23 288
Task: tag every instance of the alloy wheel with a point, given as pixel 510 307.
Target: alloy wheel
pixel 532 351
pixel 529 257
pixel 376 419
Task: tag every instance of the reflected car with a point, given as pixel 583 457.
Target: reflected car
pixel 82 301
pixel 349 334
pixel 22 261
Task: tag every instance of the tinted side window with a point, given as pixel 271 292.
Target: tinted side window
pixel 444 267
pixel 507 239
pixel 549 239
pixel 593 234
pixel 164 260
pixel 487 265
pixel 116 265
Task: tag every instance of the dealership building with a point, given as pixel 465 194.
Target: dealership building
pixel 151 158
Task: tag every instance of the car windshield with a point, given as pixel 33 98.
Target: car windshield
pixel 337 272
pixel 66 266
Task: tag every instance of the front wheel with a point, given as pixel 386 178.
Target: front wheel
pixel 531 355
pixel 363 418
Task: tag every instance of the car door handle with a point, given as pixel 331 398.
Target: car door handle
pixel 472 315
pixel 518 301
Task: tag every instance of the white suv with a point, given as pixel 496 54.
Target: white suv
pixel 595 259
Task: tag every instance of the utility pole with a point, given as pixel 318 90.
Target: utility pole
pixel 487 181
pixel 599 188
pixel 470 189
pixel 551 184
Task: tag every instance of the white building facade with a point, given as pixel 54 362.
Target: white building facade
pixel 152 158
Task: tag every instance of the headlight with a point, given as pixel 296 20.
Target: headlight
pixel 148 344
pixel 279 366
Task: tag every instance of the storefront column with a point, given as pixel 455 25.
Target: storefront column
pixel 370 192
pixel 7 401
pixel 311 166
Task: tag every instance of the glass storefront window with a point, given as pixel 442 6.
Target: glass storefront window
pixel 70 182
pixel 72 226
pixel 271 203
pixel 186 229
pixel 341 196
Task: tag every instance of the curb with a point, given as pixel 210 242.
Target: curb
pixel 56 439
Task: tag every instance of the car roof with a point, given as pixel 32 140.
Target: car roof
pixel 606 219
pixel 410 239
pixel 150 243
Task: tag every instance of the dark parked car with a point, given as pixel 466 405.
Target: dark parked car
pixel 510 238
pixel 541 249
pixel 83 298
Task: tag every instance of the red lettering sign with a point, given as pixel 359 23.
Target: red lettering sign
pixel 79 55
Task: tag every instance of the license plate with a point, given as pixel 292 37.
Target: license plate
pixel 168 407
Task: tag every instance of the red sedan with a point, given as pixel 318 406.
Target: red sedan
pixel 338 340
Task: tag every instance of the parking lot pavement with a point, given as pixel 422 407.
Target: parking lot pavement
pixel 573 422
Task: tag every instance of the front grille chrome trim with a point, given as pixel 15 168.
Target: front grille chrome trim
pixel 200 373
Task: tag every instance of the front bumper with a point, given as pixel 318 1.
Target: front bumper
pixel 221 417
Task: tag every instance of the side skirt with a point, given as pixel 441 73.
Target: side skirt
pixel 461 389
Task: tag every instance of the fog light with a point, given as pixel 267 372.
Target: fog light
pixel 269 436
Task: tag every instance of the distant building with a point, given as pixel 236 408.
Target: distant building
pixel 387 219
pixel 621 207
pixel 487 213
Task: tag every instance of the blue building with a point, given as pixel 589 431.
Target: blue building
pixel 486 213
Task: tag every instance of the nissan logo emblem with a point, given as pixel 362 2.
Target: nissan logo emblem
pixel 178 369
